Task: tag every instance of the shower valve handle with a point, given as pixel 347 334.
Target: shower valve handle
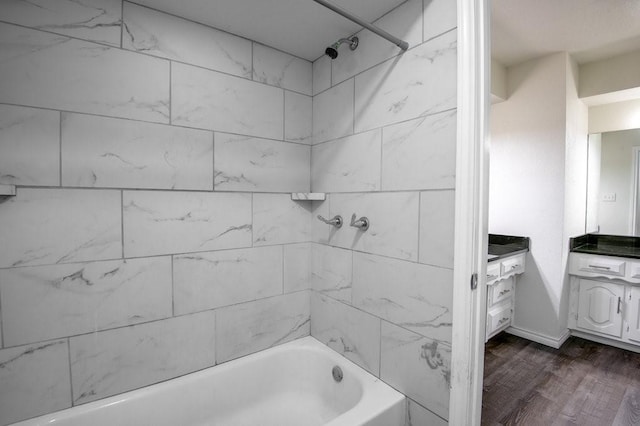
pixel 362 223
pixel 335 221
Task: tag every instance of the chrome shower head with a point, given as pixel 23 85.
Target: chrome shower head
pixel 332 51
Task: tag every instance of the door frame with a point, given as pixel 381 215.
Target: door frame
pixel 471 213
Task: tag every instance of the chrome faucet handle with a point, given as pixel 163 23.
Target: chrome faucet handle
pixel 362 223
pixel 335 221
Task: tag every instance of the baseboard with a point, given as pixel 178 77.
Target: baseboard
pixel 605 341
pixel 554 342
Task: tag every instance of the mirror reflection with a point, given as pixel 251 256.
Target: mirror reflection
pixel 612 187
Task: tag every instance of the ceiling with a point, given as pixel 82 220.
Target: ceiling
pixel 588 29
pixel 300 27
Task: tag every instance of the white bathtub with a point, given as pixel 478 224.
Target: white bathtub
pixel 289 385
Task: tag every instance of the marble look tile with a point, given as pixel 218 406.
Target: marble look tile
pixel 331 270
pixel 167 36
pixel 348 164
pixel 115 361
pixel 74 75
pixel 333 113
pixel 221 278
pixel 393 218
pixel 440 16
pixel 110 152
pixel 182 222
pixel 35 380
pixel 417 366
pixel 212 100
pixel 404 22
pixel 24 131
pixel 419 82
pixel 346 330
pixel 297 117
pixel 420 153
pixel 414 296
pixel 321 74
pixel 260 165
pixel 65 300
pixel 47 226
pixel 280 69
pixel 320 231
pixel 279 220
pixel 420 416
pixel 297 264
pixel 92 20
pixel 437 210
pixel 254 326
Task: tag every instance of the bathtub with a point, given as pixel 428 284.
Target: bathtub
pixel 288 385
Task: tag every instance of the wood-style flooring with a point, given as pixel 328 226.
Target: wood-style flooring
pixel 583 383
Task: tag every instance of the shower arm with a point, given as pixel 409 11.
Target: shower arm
pixel 382 33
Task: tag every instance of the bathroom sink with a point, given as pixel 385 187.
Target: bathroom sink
pixel 505 245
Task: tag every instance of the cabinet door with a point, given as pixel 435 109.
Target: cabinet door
pixel 600 307
pixel 633 314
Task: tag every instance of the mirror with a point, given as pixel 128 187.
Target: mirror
pixel 613 198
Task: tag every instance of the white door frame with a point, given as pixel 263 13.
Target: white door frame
pixel 635 188
pixel 472 190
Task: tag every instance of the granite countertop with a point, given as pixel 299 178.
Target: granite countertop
pixel 606 245
pixel 501 246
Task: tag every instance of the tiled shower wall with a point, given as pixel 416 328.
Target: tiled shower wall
pixel 384 147
pixel 152 233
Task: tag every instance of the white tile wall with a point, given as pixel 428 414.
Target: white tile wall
pixel 244 163
pixel 349 164
pixel 321 74
pixel 95 20
pixel 121 359
pixel 35 380
pixel 440 16
pixel 346 330
pixel 331 271
pixel 437 228
pixel 156 222
pixel 420 154
pixel 254 326
pixel 66 300
pixel 419 416
pixel 47 226
pixel 297 261
pixel 109 152
pixel 278 220
pixel 74 75
pixel 333 113
pixel 421 81
pixel 211 100
pixel 155 33
pixel 24 131
pixel 417 366
pixel 297 117
pixel 280 69
pixel 210 280
pixel 414 296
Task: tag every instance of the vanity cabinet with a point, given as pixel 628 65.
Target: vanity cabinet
pixel 604 301
pixel 501 286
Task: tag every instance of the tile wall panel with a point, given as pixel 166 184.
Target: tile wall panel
pixel 278 220
pixel 333 113
pixel 74 75
pixel 77 298
pixel 437 228
pixel 331 271
pixel 23 132
pixel 440 16
pixel 297 261
pixel 156 33
pixel 109 152
pixel 156 222
pixel 276 68
pixel 298 116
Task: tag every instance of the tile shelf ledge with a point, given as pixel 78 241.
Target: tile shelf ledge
pixel 7 191
pixel 308 196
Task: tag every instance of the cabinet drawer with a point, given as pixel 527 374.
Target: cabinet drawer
pixel 602 266
pixel 512 266
pixel 493 271
pixel 501 290
pixel 498 318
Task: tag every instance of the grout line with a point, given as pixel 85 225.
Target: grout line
pixel 173 291
pixel 213 161
pixel 419 222
pixel 122 25
pixel 70 370
pixel 122 221
pixel 60 148
pixel 170 91
pixel 381 156
pixel 283 269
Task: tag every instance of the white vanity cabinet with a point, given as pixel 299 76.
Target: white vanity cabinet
pixel 501 287
pixel 604 301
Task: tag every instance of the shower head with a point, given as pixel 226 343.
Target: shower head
pixel 332 51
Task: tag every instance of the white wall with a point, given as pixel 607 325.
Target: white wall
pixel 609 75
pixel 615 116
pixel 530 143
pixel 593 181
pixel 616 177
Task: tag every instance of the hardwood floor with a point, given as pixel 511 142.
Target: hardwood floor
pixel 583 383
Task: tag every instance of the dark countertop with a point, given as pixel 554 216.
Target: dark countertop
pixel 606 245
pixel 501 246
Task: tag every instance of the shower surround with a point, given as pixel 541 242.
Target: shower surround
pixel 153 232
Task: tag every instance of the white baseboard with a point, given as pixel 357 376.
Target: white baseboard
pixel 554 342
pixel 605 341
